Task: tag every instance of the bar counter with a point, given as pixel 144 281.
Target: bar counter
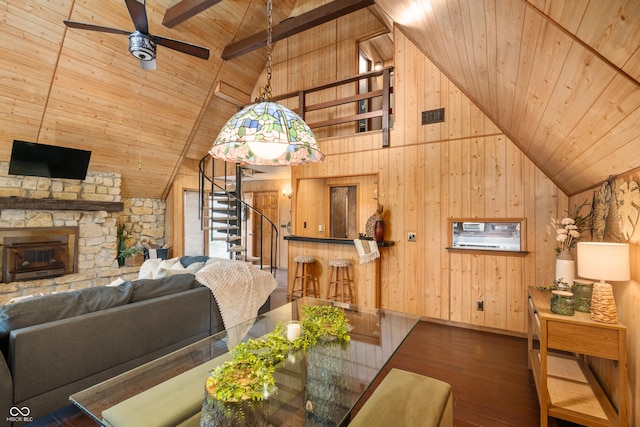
pixel 365 277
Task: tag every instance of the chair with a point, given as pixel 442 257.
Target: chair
pixel 304 281
pixel 340 283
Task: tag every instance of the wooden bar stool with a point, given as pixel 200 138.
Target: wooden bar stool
pixel 307 281
pixel 340 284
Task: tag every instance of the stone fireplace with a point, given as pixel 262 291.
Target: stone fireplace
pixel 87 212
pixel 38 253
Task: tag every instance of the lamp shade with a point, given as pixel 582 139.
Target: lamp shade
pixel 603 261
pixel 266 133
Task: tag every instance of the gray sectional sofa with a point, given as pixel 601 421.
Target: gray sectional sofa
pixel 59 344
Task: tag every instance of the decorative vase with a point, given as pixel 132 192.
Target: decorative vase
pixel 582 292
pixel 562 302
pixel 122 245
pixel 215 413
pixel 379 230
pixel 374 230
pixel 565 270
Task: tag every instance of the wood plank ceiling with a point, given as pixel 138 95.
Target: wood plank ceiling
pixel 559 77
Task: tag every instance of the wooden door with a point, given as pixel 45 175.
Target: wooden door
pixel 267 204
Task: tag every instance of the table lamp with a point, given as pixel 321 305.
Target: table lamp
pixel 603 261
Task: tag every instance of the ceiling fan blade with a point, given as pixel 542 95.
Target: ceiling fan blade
pixel 184 47
pixel 90 27
pixel 138 14
pixel 148 65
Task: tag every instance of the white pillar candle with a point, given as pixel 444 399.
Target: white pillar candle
pixel 293 331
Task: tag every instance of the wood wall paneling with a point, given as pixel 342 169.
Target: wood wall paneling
pixel 427 177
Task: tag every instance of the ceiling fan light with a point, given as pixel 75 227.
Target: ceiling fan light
pixel 142 46
pixel 266 133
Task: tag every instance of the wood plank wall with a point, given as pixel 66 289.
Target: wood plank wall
pixel 627 296
pixel 464 167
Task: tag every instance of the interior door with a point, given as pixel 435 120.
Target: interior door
pixel 267 203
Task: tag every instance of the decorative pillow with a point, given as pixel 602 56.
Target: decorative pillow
pixel 193 268
pixel 164 266
pixel 47 308
pixel 148 268
pixel 117 282
pixel 168 263
pixel 177 268
pixel 144 289
pixel 187 260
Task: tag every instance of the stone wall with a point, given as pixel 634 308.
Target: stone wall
pixel 143 219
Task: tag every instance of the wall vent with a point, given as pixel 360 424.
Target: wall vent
pixel 433 116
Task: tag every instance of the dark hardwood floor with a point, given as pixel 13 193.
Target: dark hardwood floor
pixel 488 374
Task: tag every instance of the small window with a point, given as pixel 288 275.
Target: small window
pixel 503 235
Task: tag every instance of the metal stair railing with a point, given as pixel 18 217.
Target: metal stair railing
pixel 222 209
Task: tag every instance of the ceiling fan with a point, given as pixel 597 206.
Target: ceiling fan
pixel 142 45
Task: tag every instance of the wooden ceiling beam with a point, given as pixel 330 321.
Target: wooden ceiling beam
pixel 184 10
pixel 295 25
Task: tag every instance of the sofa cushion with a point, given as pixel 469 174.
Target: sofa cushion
pixel 47 308
pixel 144 289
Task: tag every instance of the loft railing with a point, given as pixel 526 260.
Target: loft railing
pixel 384 112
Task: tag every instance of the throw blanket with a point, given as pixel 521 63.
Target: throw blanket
pixel 367 250
pixel 240 289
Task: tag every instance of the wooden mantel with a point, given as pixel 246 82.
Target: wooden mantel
pixel 15 202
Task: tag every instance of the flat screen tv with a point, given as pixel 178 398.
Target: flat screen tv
pixel 33 159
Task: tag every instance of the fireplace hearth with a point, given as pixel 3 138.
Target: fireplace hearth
pixel 37 253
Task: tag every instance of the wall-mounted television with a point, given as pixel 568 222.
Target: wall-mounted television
pixel 33 159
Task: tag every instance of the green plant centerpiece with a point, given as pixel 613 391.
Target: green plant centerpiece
pixel 324 322
pixel 236 392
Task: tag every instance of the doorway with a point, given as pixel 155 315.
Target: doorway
pixel 266 203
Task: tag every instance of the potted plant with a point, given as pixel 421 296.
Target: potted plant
pixel 132 256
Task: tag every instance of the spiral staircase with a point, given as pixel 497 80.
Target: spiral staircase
pixel 223 214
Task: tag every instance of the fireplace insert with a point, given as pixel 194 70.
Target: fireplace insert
pixel 31 254
pixel 35 260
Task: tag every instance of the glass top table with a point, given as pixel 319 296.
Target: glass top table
pixel 316 387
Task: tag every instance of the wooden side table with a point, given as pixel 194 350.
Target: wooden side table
pixel 567 389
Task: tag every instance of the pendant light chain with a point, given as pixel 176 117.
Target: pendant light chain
pixel 265 92
pixel 266 133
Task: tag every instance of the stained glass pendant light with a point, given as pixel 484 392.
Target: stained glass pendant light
pixel 266 132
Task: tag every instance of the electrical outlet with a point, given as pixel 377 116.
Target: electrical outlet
pixel 480 305
pixel 411 236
